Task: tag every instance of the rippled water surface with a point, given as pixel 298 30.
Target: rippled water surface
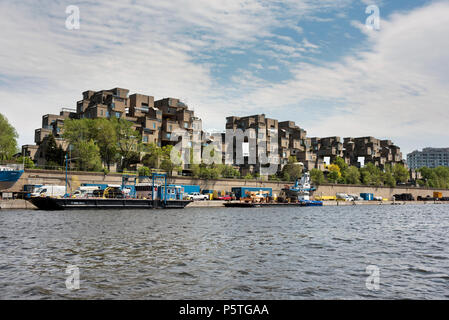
pixel 219 253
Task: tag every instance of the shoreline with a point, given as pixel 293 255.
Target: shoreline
pixel 19 204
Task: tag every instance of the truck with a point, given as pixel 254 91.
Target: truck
pixel 49 191
pixel 28 189
pixel 197 196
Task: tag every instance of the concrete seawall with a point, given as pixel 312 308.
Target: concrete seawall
pixel 16 204
pixel 76 178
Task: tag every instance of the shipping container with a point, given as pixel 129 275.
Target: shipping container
pixel 188 189
pixel 240 192
pixel 367 196
pixel 437 194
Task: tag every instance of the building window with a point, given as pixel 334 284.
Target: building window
pixel 154 126
pixel 186 125
pixel 145 139
pixel 118 114
pixel 170 128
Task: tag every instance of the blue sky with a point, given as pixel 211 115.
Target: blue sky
pixel 313 62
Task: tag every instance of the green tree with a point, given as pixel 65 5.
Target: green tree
pixel 340 162
pixel 8 139
pixel 371 175
pixel 167 163
pixel 352 175
pixel 248 176
pixel 442 174
pixel 400 173
pixel 366 176
pixel 144 171
pixel 105 136
pixel 29 164
pixel 88 155
pixel 292 170
pixel 77 130
pixel 128 141
pixel 153 155
pixel 317 176
pixel 227 171
pixel 389 180
pixel 388 176
pixel 434 177
pixel 54 154
pixel 334 173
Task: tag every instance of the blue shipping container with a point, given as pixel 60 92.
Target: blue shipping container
pixel 188 189
pixel 367 196
pixel 240 192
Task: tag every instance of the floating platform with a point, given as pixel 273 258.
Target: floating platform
pixel 48 203
pixel 308 203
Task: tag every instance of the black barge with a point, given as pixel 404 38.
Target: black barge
pixel 49 203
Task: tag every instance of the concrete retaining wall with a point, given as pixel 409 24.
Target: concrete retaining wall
pixel 16 204
pixel 76 178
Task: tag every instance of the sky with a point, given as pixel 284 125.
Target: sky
pixel 314 62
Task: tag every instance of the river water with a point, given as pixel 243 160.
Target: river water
pixel 220 253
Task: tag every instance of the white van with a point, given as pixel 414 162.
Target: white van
pixel 49 191
pixel 344 196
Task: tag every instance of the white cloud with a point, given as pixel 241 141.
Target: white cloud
pixel 146 46
pixel 396 86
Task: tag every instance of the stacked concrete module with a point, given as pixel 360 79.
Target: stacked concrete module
pixel 259 139
pixel 378 152
pixel 52 124
pixel 154 120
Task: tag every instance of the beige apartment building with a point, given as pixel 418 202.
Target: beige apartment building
pixel 154 120
pixel 313 152
pixel 158 122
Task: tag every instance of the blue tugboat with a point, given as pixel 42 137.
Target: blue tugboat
pixel 300 192
pixel 9 175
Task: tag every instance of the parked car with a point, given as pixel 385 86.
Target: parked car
pixel 225 198
pixel 197 196
pixel 344 196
